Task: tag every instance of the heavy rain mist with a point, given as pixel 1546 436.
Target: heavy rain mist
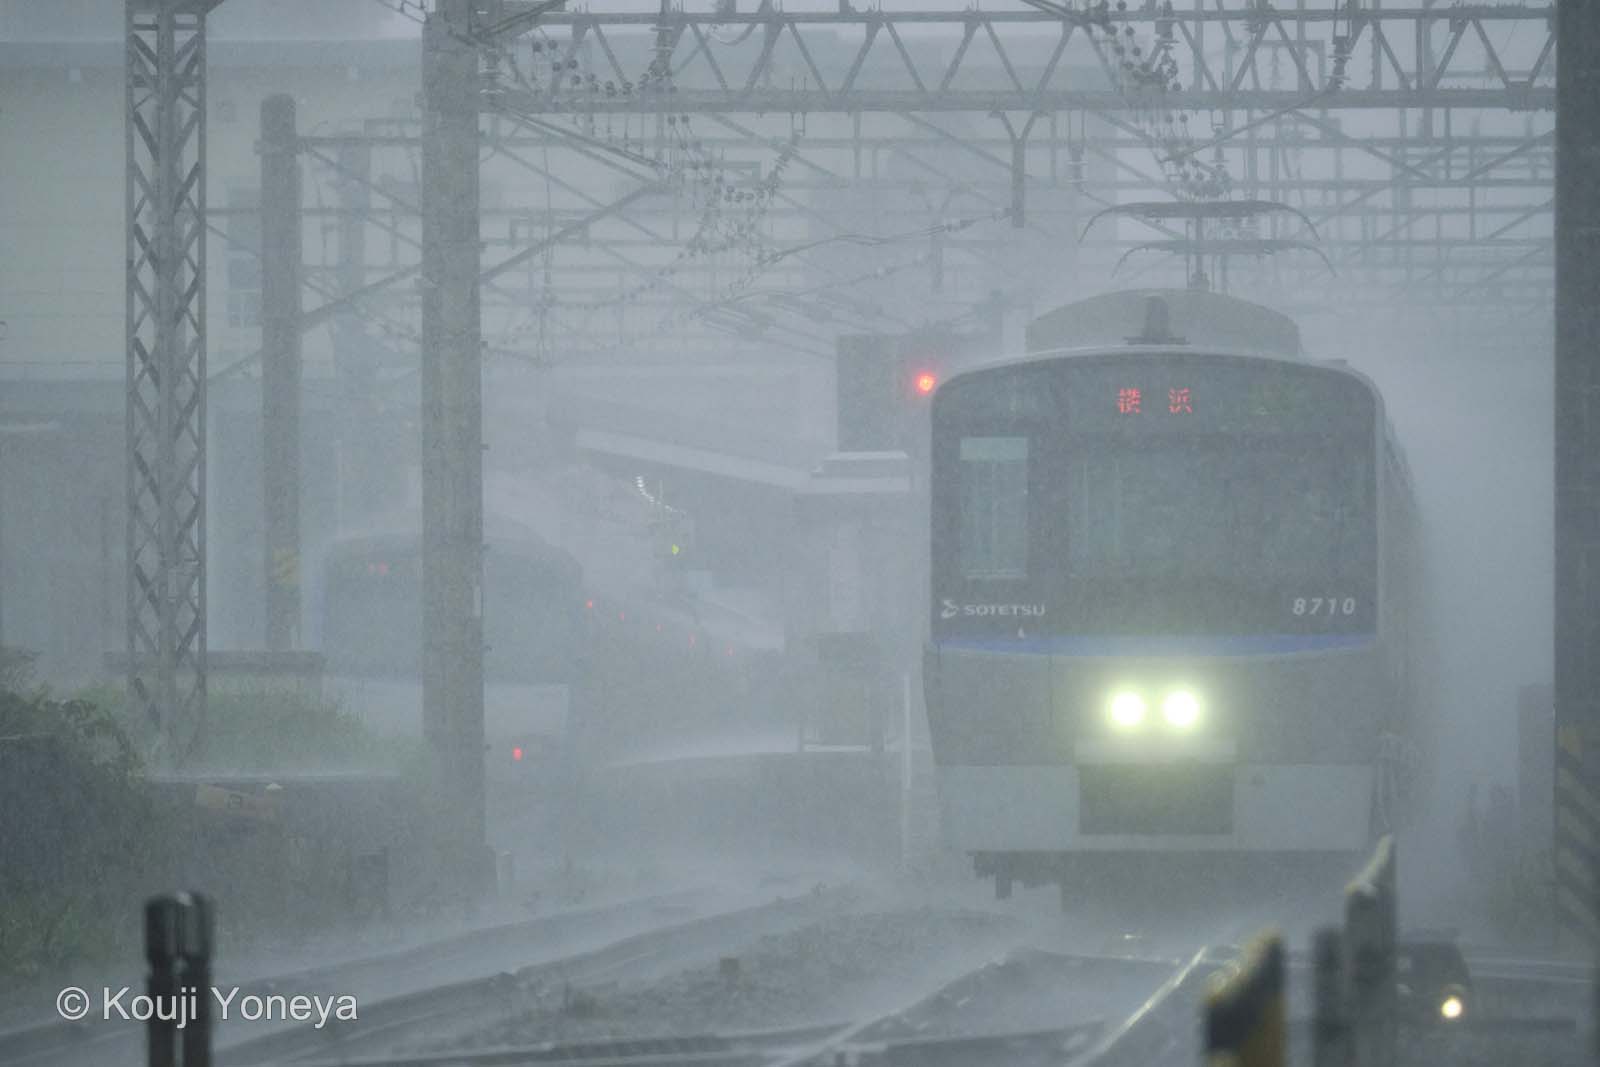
pixel 797 533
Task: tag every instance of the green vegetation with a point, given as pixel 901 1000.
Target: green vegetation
pixel 93 838
pixel 253 729
pixel 276 730
pixel 76 826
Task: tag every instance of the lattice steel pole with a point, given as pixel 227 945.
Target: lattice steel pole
pixel 452 438
pixel 166 271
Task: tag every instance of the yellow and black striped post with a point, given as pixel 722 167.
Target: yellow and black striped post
pixel 1245 1009
pixel 1577 835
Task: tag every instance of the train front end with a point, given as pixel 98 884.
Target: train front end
pixel 1158 622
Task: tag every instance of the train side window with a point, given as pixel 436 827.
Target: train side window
pixel 994 507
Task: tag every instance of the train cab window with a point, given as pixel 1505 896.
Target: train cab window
pixel 994 507
pixel 1285 511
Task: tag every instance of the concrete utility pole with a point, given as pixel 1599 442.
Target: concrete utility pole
pixel 166 387
pixel 452 439
pixel 280 368
pixel 1577 481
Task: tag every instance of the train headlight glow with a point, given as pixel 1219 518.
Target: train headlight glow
pixel 1453 1006
pixel 1181 709
pixel 1126 709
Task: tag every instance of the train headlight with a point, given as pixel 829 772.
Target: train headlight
pixel 1126 709
pixel 1181 709
pixel 1453 1005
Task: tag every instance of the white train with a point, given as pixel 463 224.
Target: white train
pixel 1172 583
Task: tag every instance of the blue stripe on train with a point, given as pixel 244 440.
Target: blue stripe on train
pixel 1101 645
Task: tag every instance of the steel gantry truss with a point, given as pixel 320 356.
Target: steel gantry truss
pixel 166 455
pixel 676 178
pixel 1232 57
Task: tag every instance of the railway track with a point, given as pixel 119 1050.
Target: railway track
pixel 979 1016
pixel 967 1019
pixel 1014 1007
pixel 437 1014
pixel 373 978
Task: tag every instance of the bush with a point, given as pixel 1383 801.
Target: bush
pixel 260 730
pixel 75 825
pixel 84 839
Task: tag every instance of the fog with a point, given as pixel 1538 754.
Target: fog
pixel 1484 480
pixel 889 510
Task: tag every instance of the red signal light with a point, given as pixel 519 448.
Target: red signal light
pixel 516 754
pixel 925 382
pixel 589 604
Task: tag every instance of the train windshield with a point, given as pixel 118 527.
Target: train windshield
pixel 1214 506
pixel 1150 494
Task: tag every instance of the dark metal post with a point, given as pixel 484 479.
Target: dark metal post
pixel 1369 953
pixel 1577 412
pixel 280 368
pixel 1329 1031
pixel 452 441
pixel 178 935
pixel 195 936
pixel 161 921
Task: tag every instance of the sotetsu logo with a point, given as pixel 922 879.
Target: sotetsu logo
pixel 950 609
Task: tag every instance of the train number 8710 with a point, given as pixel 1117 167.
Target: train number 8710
pixel 1324 605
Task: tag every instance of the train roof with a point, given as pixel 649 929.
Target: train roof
pixel 1185 318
